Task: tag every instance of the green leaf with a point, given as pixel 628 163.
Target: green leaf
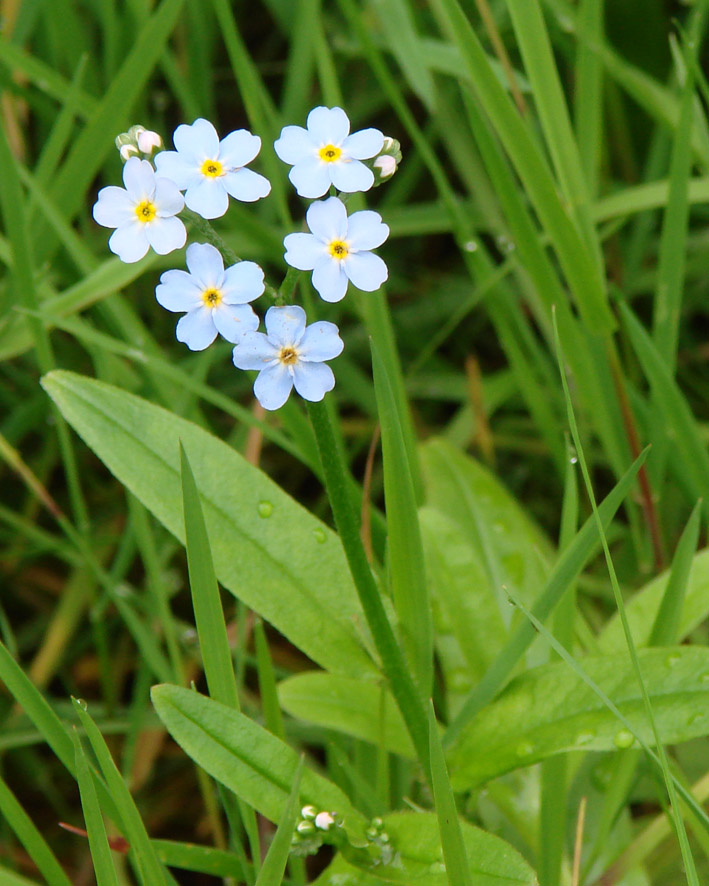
pixel 551 710
pixel 347 705
pixel 274 864
pixel 245 757
pixel 419 859
pixel 279 559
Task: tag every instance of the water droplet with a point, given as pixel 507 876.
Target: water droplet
pixel 470 246
pixel 584 737
pixel 623 739
pixel 82 704
pixel 438 867
pixel 524 749
pixel 673 660
pixel 574 460
pixel 320 535
pixel 695 718
pixel 265 509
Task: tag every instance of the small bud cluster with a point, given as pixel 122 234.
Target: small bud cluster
pixel 138 142
pixel 312 829
pixel 387 162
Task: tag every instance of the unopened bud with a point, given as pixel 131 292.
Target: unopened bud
pixel 149 141
pixel 308 812
pixel 386 166
pixel 324 821
pixel 387 162
pixel 305 828
pixel 138 141
pixel 128 151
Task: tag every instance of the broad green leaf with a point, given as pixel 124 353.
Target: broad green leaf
pixel 347 705
pixel 279 559
pixel 245 757
pixel 642 609
pixel 551 710
pixel 419 860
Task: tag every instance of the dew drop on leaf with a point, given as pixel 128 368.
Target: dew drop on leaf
pixel 623 739
pixel 265 509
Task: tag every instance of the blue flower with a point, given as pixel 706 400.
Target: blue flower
pixel 209 170
pixel 326 154
pixel 214 299
pixel 337 250
pixel 143 213
pixel 290 354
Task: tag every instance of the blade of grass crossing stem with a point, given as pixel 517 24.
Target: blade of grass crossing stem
pixel 553 810
pixel 95 828
pixel 405 549
pixel 565 571
pixel 533 41
pixel 142 851
pixel 274 865
pixel 689 867
pixel 588 95
pixel 206 602
pixel 301 62
pixel 581 268
pixel 675 414
pixel 273 718
pixel 454 855
pixel 673 240
pixel 665 629
pixel 36 846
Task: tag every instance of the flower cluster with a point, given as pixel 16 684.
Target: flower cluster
pixel 161 187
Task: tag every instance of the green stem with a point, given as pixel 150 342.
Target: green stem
pixel 393 663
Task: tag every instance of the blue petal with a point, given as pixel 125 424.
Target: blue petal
pixel 243 282
pixel 313 380
pixel 310 178
pixel 199 141
pixel 139 179
pixel 363 144
pixel 366 230
pixel 327 219
pixel 366 270
pixel 285 325
pixel 168 200
pixel 254 351
pixel 246 185
pixel 328 126
pixel 351 177
pixel 234 321
pixel 113 207
pixel 177 167
pixel 294 145
pixel 178 292
pixel 129 242
pixel 197 329
pixel 166 234
pixel 273 386
pixel 320 342
pixel 208 198
pixel 206 265
pixel 330 280
pixel 239 148
pixel 303 251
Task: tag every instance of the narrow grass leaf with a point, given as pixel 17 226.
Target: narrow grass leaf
pixel 405 550
pixel 397 21
pixel 98 841
pixel 457 868
pixel 198 858
pixel 588 94
pixel 274 864
pixel 206 602
pixel 272 715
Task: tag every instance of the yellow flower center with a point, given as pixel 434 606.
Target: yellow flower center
pixel 211 297
pixel 338 249
pixel 330 153
pixel 288 356
pixel 212 168
pixel 145 211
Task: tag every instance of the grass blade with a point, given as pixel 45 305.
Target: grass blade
pixel 274 864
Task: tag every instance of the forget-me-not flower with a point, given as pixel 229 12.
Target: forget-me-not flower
pixel 143 213
pixel 337 250
pixel 326 154
pixel 210 170
pixel 289 354
pixel 214 299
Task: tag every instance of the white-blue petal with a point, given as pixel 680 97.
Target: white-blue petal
pixel 254 351
pixel 246 185
pixel 330 280
pixel 129 242
pixel 197 329
pixel 234 321
pixel 113 207
pixel 366 270
pixel 310 177
pixel 139 179
pixel 363 144
pixel 327 219
pixel 320 342
pixel 328 126
pixel 285 325
pixel 243 282
pixel 303 251
pixel 208 198
pixel 366 230
pixel 273 386
pixel 238 148
pixel 206 265
pixel 199 141
pixel 168 200
pixel 313 380
pixel 177 167
pixel 294 145
pixel 178 292
pixel 351 177
pixel 166 234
